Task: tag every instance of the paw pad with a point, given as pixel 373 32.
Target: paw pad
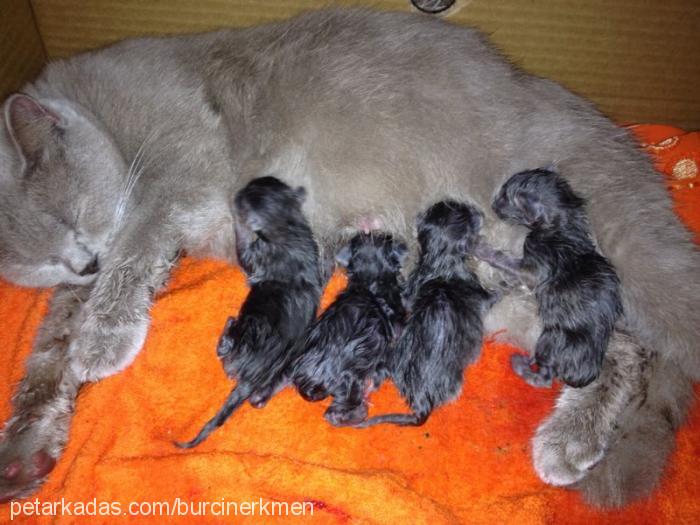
pixel 43 463
pixel 12 470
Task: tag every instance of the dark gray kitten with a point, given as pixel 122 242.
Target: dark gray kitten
pixel 277 251
pixel 444 330
pixel 346 351
pixel 132 153
pixel 576 288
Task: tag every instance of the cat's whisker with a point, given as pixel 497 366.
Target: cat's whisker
pixel 141 161
pixel 119 208
pixel 136 168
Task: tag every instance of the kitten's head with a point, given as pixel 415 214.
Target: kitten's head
pixel 372 255
pixel 536 199
pixel 449 227
pixel 60 178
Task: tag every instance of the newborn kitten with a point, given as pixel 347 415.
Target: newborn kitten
pixel 277 251
pixel 85 174
pixel 577 289
pixel 346 350
pixel 443 333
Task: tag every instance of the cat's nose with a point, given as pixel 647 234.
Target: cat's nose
pixel 91 268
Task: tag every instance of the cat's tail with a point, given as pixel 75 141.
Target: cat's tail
pixel 235 399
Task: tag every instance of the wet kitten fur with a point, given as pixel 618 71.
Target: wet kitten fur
pixel 277 251
pixel 141 145
pixel 577 290
pixel 346 351
pixel 444 330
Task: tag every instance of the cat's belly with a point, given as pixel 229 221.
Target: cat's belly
pixel 356 191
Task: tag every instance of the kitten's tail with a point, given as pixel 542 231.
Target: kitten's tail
pixel 235 399
pixel 402 420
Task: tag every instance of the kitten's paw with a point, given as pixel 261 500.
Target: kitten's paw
pixel 339 416
pixel 224 347
pixel 25 461
pixel 564 452
pixel 522 365
pixel 226 342
pixel 101 351
pixel 313 392
pixel 260 398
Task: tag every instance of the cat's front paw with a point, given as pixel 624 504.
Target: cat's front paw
pixel 564 450
pixel 100 351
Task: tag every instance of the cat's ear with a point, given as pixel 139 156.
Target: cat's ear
pixel 34 128
pixel 343 256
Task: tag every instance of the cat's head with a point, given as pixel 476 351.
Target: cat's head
pixel 60 178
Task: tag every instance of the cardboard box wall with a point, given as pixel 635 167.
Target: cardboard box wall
pixel 639 60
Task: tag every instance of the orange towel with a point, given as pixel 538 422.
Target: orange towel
pixel 469 464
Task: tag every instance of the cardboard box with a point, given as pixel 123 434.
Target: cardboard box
pixel 637 59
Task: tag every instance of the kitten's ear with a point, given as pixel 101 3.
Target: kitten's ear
pixel 399 252
pixel 420 221
pixel 567 196
pixel 254 221
pixel 478 219
pixel 300 192
pixel 533 209
pixel 343 256
pixel 459 226
pixel 34 128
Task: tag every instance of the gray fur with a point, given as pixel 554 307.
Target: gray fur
pixel 377 114
pixel 644 435
pixel 611 438
pixel 575 438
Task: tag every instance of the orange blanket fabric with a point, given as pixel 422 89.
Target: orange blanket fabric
pixel 469 464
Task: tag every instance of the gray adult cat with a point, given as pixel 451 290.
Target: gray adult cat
pixel 130 154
